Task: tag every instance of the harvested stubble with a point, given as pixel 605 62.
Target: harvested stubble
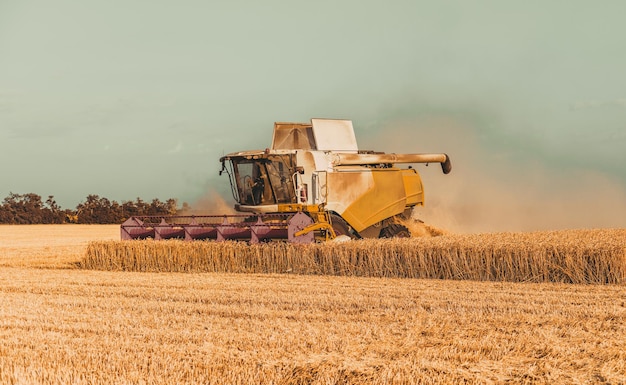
pixel 569 256
pixel 99 327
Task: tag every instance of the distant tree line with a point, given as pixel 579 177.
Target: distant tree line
pixel 29 208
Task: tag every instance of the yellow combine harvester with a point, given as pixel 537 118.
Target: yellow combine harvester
pixel 312 184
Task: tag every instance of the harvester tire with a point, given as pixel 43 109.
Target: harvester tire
pixel 340 226
pixel 395 230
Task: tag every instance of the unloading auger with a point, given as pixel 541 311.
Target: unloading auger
pixel 313 184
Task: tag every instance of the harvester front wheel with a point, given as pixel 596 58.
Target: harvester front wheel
pixel 395 230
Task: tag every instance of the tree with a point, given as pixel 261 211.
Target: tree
pixel 52 212
pixel 22 209
pixel 30 209
pixel 95 210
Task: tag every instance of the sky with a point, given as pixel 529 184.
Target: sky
pixel 137 98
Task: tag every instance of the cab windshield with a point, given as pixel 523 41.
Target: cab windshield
pixel 263 181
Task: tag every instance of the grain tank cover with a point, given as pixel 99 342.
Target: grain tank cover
pixel 321 134
pixel 290 136
pixel 334 135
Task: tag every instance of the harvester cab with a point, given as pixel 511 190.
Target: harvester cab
pixel 261 179
pixel 313 183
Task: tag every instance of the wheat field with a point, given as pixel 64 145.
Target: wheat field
pixel 569 256
pixel 63 325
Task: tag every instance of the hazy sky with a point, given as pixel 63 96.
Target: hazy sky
pixel 137 98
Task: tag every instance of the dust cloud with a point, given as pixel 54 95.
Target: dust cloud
pixel 212 203
pixel 490 189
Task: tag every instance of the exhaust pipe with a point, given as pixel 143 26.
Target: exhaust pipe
pixel 345 159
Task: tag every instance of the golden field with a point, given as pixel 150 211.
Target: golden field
pixel 63 325
pixel 48 246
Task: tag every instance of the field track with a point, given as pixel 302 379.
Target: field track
pixel 64 325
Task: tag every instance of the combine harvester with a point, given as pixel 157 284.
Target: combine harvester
pixel 313 184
